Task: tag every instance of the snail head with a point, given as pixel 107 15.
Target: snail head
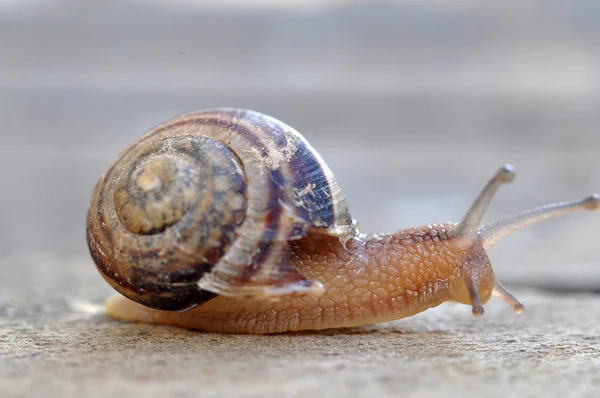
pixel 473 239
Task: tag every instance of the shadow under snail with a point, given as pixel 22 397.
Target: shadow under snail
pixel 227 220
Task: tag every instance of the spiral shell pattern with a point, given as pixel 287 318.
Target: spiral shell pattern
pixel 206 204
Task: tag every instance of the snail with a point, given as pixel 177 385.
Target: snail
pixel 227 220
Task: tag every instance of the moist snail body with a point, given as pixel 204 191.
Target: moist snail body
pixel 227 220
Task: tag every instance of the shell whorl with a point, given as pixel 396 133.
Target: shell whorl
pixel 206 204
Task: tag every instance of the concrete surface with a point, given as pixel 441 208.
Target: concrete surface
pixel 59 344
pixel 413 104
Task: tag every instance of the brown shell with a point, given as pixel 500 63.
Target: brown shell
pixel 206 204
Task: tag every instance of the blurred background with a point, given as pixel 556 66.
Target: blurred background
pixel 413 104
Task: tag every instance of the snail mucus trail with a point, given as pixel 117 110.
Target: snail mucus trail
pixel 227 220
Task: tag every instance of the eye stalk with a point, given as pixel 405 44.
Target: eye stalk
pixel 469 235
pixel 494 232
pixel 466 232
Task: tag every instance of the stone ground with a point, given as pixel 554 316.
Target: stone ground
pixel 413 107
pixel 63 346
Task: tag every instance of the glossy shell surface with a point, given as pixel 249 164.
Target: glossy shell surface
pixel 206 204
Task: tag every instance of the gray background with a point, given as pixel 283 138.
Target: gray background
pixel 413 104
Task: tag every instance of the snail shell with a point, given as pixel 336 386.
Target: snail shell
pixel 207 204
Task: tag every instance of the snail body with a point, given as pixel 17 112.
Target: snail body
pixel 373 280
pixel 227 220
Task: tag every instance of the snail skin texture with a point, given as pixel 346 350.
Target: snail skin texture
pixel 227 220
